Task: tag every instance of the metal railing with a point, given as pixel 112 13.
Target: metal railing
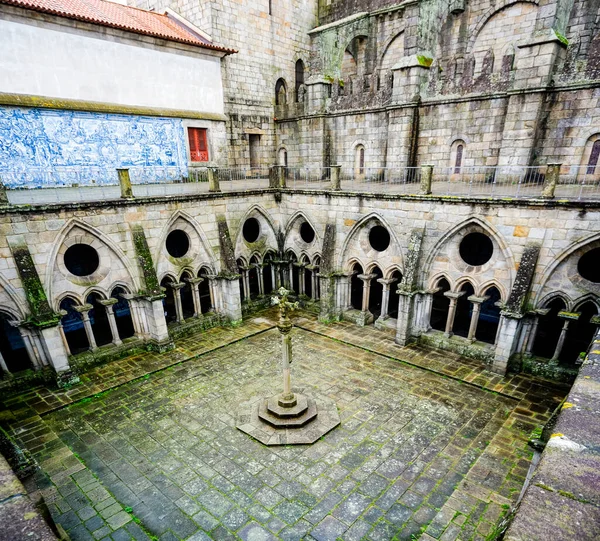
pixel 75 184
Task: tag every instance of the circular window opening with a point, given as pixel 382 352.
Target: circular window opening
pixel 81 259
pixel 178 243
pixel 379 238
pixel 588 267
pixel 307 232
pixel 251 230
pixel 476 249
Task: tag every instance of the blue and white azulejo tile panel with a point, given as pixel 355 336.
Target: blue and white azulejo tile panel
pixel 46 147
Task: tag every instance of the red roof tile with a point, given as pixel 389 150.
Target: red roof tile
pixel 115 15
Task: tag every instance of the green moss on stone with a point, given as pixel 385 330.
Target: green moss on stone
pixel 145 261
pixel 424 60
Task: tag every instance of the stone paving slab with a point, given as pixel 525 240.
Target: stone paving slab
pixel 155 451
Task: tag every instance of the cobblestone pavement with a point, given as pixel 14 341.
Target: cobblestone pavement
pixel 158 455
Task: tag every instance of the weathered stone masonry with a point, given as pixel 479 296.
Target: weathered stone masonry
pixel 425 238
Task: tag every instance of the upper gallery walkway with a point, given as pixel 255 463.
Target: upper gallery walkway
pixel 88 184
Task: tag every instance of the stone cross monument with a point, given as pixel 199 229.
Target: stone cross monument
pixel 287 398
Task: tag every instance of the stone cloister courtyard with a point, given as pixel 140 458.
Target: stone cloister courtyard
pixel 430 445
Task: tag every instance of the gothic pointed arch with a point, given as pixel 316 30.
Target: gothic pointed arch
pixel 359 243
pixel 257 222
pixel 182 243
pixel 299 231
pixel 11 300
pixel 112 264
pixel 447 255
pixel 568 270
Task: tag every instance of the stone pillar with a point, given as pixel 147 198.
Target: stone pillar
pixel 108 306
pixel 274 276
pixel 194 283
pixel 567 317
pixel 476 301
pixel 506 340
pixel 425 323
pixel 301 277
pixel 125 183
pixel 426 178
pixel 61 331
pixel 154 315
pixel 313 281
pixel 366 278
pixel 55 352
pixel 336 180
pixel 213 292
pixel 551 180
pixel 261 280
pixel 230 296
pixel 451 311
pixel 176 287
pixel 404 323
pixel 213 180
pixel 87 325
pixel 4 367
pixel 385 297
pixel 140 325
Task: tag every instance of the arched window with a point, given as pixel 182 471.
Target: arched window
pixel 464 310
pixel 99 320
pixel 356 287
pixel 593 159
pixel 206 304
pixel 489 316
pixel 122 314
pixel 440 305
pixel 283 159
pixel 299 77
pixel 12 347
pixel 359 160
pixel 186 295
pixel 457 156
pixel 280 92
pixel 72 324
pixel 458 160
pixel 169 299
pixel 253 278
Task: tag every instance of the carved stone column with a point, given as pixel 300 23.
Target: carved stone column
pixel 194 283
pixel 84 310
pixel 4 367
pixel 366 278
pixel 385 297
pixel 476 301
pixel 451 311
pixel 108 306
pixel 261 280
pixel 176 287
pixel 530 339
pixel 33 355
pixel 61 331
pixel 300 268
pixel 567 317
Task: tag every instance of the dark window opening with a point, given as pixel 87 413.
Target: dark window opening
pixel 198 144
pixel 489 317
pixel 204 290
pixel 458 161
pixel 549 328
pixel 187 297
pixel 12 347
pixel 99 320
pixel 379 238
pixel 268 274
pixel 476 249
pixel 307 232
pixel 253 278
pixel 593 161
pixel 356 288
pixel 72 324
pixel 251 230
pixel 579 334
pixel 440 306
pixel 169 300
pixel 588 265
pixel 376 293
pixel 240 265
pixel 122 314
pixel 178 243
pixel 464 309
pixel 393 297
pixel 280 92
pixel 81 259
pixel 299 77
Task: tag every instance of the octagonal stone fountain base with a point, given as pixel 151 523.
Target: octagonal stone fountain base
pixel 303 423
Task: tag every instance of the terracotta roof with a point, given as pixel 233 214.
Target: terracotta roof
pixel 115 15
